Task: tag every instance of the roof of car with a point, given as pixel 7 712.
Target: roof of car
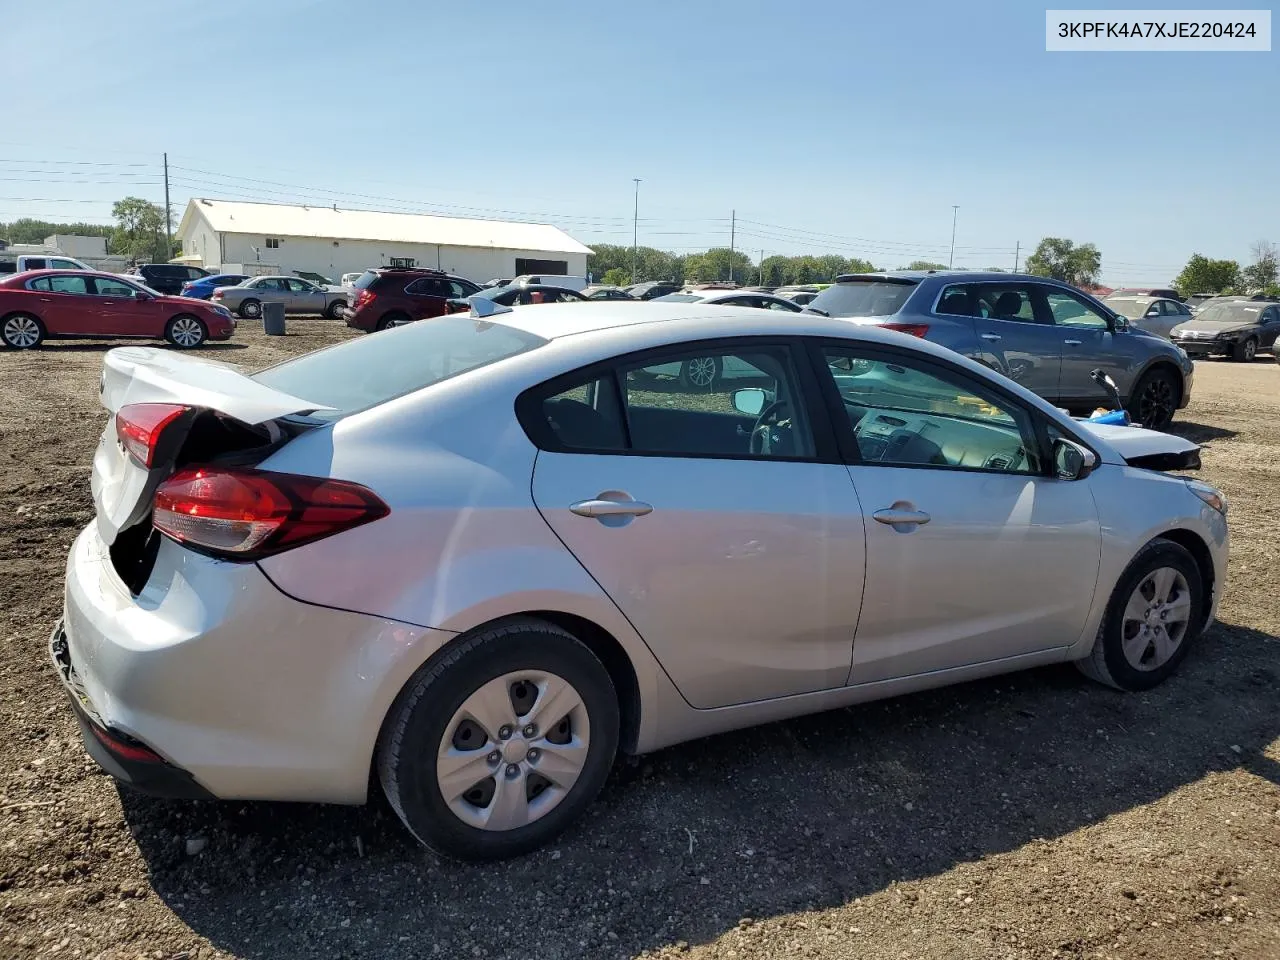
pixel 958 275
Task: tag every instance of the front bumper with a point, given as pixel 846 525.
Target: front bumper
pixel 229 682
pixel 1206 348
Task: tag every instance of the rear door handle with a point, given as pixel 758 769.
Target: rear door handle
pixel 993 337
pixel 897 516
pixel 1072 343
pixel 611 508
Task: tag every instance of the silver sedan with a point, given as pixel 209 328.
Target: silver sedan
pixel 483 556
pixel 297 295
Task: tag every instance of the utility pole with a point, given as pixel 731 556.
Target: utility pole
pixel 762 266
pixel 635 232
pixel 168 216
pixel 1017 249
pixel 955 210
pixel 733 229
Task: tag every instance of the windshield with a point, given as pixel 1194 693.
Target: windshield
pixel 863 298
pixel 363 373
pixel 1232 312
pixel 1133 309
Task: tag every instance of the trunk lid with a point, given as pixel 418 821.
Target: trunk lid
pixel 243 414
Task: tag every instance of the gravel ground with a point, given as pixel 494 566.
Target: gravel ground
pixel 1029 816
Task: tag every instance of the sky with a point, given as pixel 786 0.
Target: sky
pixel 823 127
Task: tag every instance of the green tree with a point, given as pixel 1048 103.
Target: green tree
pixel 1202 275
pixel 1264 273
pixel 924 265
pixel 855 265
pixel 616 276
pixel 1064 260
pixel 996 270
pixel 774 271
pixel 714 265
pixel 139 232
pixel 27 230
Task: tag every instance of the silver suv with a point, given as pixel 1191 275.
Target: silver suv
pixel 1046 335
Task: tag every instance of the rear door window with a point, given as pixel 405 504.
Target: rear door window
pixel 1013 302
pixel 68 283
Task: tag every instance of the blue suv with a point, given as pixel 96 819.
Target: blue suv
pixel 1046 335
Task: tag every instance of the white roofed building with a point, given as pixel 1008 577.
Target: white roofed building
pixel 234 236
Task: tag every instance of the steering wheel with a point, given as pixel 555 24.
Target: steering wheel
pixel 761 436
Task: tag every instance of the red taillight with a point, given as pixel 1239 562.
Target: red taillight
pixel 139 426
pixel 912 329
pixel 245 514
pixel 217 295
pixel 363 297
pixel 126 751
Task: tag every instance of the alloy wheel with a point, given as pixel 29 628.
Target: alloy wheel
pixel 1250 350
pixel 701 371
pixel 1156 405
pixel 186 332
pixel 250 309
pixel 21 332
pixel 513 750
pixel 1155 619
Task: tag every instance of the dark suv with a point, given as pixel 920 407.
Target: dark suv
pixel 1046 335
pixel 168 278
pixel 391 296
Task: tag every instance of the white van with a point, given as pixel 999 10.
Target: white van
pixel 577 284
pixel 18 263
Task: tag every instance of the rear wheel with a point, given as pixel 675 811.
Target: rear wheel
pixel 501 743
pixel 185 332
pixel 1245 350
pixel 1151 619
pixel 394 320
pixel 250 309
pixel 335 309
pixel 22 331
pixel 1154 399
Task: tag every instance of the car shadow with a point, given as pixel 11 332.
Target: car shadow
pixel 808 813
pixel 1199 432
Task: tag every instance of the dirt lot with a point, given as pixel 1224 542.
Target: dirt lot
pixel 1030 816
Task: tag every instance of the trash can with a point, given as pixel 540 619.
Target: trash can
pixel 273 319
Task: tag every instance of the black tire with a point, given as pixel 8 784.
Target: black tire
pixel 1107 663
pixel 250 309
pixel 418 720
pixel 693 373
pixel 18 329
pixel 394 319
pixel 1245 350
pixel 186 332
pixel 1155 399
pixel 336 309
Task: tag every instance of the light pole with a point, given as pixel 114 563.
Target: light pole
pixel 955 210
pixel 635 232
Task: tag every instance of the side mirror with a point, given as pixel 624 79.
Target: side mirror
pixel 1072 461
pixel 749 401
pixel 1119 324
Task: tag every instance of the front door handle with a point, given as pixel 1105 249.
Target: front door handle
pixel 1072 343
pixel 611 508
pixel 993 337
pixel 901 516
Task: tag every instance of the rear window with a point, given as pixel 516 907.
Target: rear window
pixel 863 298
pixel 165 270
pixel 366 280
pixel 363 373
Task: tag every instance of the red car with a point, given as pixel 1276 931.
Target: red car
pixel 391 296
pixel 76 303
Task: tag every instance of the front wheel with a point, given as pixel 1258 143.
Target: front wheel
pixel 501 743
pixel 185 332
pixel 1154 399
pixel 21 331
pixel 701 373
pixel 1245 350
pixel 336 309
pixel 250 310
pixel 1153 615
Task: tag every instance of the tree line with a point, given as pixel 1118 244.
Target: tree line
pixel 138 234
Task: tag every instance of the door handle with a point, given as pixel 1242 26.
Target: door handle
pixel 1072 343
pixel 993 337
pixel 611 508
pixel 46 299
pixel 896 516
